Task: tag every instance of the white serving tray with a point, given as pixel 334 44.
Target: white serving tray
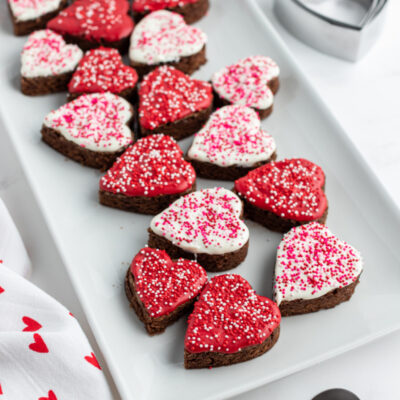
pixel 97 243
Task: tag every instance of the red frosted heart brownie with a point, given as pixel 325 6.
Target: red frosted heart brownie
pixel 94 23
pixel 47 63
pixel 251 82
pixel 102 70
pixel 162 290
pixel 191 10
pixel 231 144
pixel 31 15
pixel 284 194
pixel 314 270
pixel 92 130
pixel 206 225
pixel 164 38
pixel 148 177
pixel 230 324
pixel 172 103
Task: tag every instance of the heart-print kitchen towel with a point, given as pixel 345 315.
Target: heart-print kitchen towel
pixel 44 354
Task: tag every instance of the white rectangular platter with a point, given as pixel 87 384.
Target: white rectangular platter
pixel 97 243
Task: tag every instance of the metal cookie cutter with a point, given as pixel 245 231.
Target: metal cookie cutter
pixel 309 20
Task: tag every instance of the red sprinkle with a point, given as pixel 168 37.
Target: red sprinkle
pixel 154 5
pixel 153 166
pixel 94 20
pixel 167 95
pixel 290 188
pixel 229 316
pixel 102 70
pixel 162 284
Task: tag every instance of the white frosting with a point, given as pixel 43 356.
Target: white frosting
pixel 206 221
pixel 163 36
pixel 46 54
pixel 97 122
pixel 246 82
pixel 312 261
pixel 232 136
pixel 25 10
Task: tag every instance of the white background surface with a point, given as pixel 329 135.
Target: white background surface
pixel 364 98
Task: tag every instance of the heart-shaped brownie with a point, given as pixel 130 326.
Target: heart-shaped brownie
pixel 154 5
pixel 230 323
pixel 250 82
pixel 232 137
pixel 161 284
pixel 28 10
pixel 291 189
pixel 153 166
pixel 46 54
pixel 93 129
pixel 102 70
pixel 168 97
pixel 206 223
pixel 162 37
pixel 101 21
pixel 313 264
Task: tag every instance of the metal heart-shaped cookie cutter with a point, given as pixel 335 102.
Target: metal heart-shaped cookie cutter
pixel 349 41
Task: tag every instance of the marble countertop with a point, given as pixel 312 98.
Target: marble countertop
pixel 364 97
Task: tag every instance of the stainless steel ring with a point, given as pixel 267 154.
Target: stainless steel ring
pixel 329 35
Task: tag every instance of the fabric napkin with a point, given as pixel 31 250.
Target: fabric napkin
pixel 44 354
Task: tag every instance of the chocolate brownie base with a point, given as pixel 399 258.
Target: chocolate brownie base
pixel 141 204
pixel 329 300
pixel 22 28
pixel 210 262
pixel 153 325
pixel 273 221
pixel 190 12
pixel 212 171
pixel 273 85
pixel 45 84
pixel 187 65
pixel 214 359
pixel 182 128
pixel 129 94
pixel 121 45
pixel 94 159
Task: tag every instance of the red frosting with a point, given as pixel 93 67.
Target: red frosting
pixel 229 316
pixel 162 284
pixel 290 188
pixel 167 95
pixel 102 70
pixel 94 20
pixel 153 5
pixel 153 166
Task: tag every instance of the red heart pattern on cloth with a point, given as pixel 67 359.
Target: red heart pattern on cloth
pixel 97 122
pixel 167 95
pixel 163 284
pixel 102 70
pixel 38 345
pixel 232 136
pixel 246 82
pixel 1 290
pixel 206 221
pixel 311 261
pixel 152 166
pixel 31 325
pixel 164 36
pixel 93 360
pixel 291 188
pixel 94 20
pixel 154 5
pixel 50 396
pixel 229 316
pixel 46 54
